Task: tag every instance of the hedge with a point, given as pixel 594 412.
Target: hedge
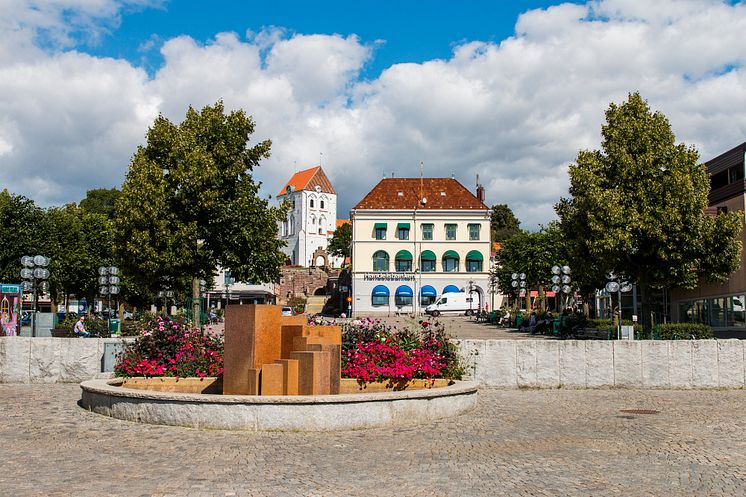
pixel 685 331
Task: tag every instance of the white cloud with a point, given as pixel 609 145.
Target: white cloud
pixel 516 113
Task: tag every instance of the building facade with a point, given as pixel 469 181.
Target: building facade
pixel 414 239
pixel 227 291
pixel 722 306
pixel 311 220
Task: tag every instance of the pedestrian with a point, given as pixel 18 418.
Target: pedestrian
pixel 212 316
pixel 532 322
pixel 79 328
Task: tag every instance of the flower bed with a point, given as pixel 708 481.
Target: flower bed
pixel 168 347
pixel 374 351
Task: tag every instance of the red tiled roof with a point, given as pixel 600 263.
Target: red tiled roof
pixel 340 222
pixel 404 193
pixel 308 179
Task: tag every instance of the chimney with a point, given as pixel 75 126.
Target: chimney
pixel 480 193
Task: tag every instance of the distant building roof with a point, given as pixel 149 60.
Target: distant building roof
pixel 340 222
pixel 407 193
pixel 308 179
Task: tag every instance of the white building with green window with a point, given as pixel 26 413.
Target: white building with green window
pixel 414 240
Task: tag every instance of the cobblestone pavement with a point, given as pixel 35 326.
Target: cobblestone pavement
pixel 522 442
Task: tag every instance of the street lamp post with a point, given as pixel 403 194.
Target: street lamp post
pixel 471 298
pixel 616 285
pixel 561 281
pixel 108 279
pixel 34 274
pixel 519 284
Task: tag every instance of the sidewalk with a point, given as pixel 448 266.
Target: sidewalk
pixel 465 328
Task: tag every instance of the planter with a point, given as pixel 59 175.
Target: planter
pixel 61 333
pixel 211 385
pixel 351 385
pixel 207 385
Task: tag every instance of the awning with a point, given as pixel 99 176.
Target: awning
pixel 403 255
pixel 380 226
pixel 450 255
pixel 451 288
pixel 427 255
pixel 402 226
pixel 380 291
pixel 428 291
pixel 474 255
pixel 404 291
pixel 535 293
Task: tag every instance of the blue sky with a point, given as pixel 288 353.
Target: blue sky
pixel 402 31
pixel 507 90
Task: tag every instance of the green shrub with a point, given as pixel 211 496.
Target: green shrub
pixel 685 331
pixel 602 324
pixel 98 328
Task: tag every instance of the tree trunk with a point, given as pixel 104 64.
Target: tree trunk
pixel 195 301
pixel 541 294
pixel 645 311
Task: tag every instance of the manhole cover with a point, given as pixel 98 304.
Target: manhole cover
pixel 639 411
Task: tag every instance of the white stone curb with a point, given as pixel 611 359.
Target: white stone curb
pixel 296 413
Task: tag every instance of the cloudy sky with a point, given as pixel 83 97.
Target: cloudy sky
pixel 509 93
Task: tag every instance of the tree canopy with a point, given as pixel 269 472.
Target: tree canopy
pixel 637 207
pixel 22 221
pixel 339 244
pixel 531 253
pixel 76 242
pixel 100 201
pixel 190 204
pixel 503 223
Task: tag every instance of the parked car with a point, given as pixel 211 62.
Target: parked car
pixel 287 311
pixel 453 303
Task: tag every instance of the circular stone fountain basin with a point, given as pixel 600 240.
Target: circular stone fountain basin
pixel 285 413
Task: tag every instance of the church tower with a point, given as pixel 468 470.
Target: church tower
pixel 312 218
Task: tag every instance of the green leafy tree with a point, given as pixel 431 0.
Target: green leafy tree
pixel 533 254
pixel 22 221
pixel 637 207
pixel 503 223
pixel 77 243
pixel 100 201
pixel 189 204
pixel 339 245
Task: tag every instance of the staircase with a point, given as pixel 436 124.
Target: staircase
pixel 315 304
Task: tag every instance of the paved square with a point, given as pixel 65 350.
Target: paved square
pixel 522 442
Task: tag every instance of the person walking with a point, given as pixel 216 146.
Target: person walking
pixel 79 328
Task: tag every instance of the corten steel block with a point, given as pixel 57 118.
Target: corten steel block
pixel 272 379
pixel 301 342
pixel 253 376
pixel 252 338
pixel 294 320
pixel 335 362
pixel 332 333
pixel 313 372
pixel 289 375
pixel 289 333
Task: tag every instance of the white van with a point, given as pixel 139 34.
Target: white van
pixel 454 303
